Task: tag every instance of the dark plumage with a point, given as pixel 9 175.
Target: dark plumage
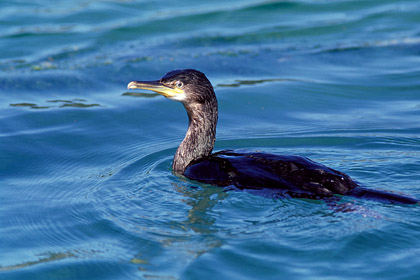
pixel 288 176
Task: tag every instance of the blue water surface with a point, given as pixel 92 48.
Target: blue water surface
pixel 86 188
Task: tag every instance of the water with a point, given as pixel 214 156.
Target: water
pixel 85 168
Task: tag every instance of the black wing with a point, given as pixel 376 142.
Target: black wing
pixel 289 176
pixel 292 174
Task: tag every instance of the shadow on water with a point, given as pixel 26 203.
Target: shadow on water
pixel 77 103
pixel 49 257
pixel 201 200
pixel 140 94
pixel 239 83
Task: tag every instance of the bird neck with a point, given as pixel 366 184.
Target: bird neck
pixel 201 134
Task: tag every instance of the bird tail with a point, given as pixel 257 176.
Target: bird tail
pixel 383 196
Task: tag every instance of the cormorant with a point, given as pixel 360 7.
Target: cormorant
pixel 287 176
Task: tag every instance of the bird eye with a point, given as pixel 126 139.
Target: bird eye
pixel 179 84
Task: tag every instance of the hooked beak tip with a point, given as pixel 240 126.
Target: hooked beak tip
pixel 131 85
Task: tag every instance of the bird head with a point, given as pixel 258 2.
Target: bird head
pixel 186 86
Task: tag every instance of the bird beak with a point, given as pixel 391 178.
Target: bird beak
pixel 157 87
